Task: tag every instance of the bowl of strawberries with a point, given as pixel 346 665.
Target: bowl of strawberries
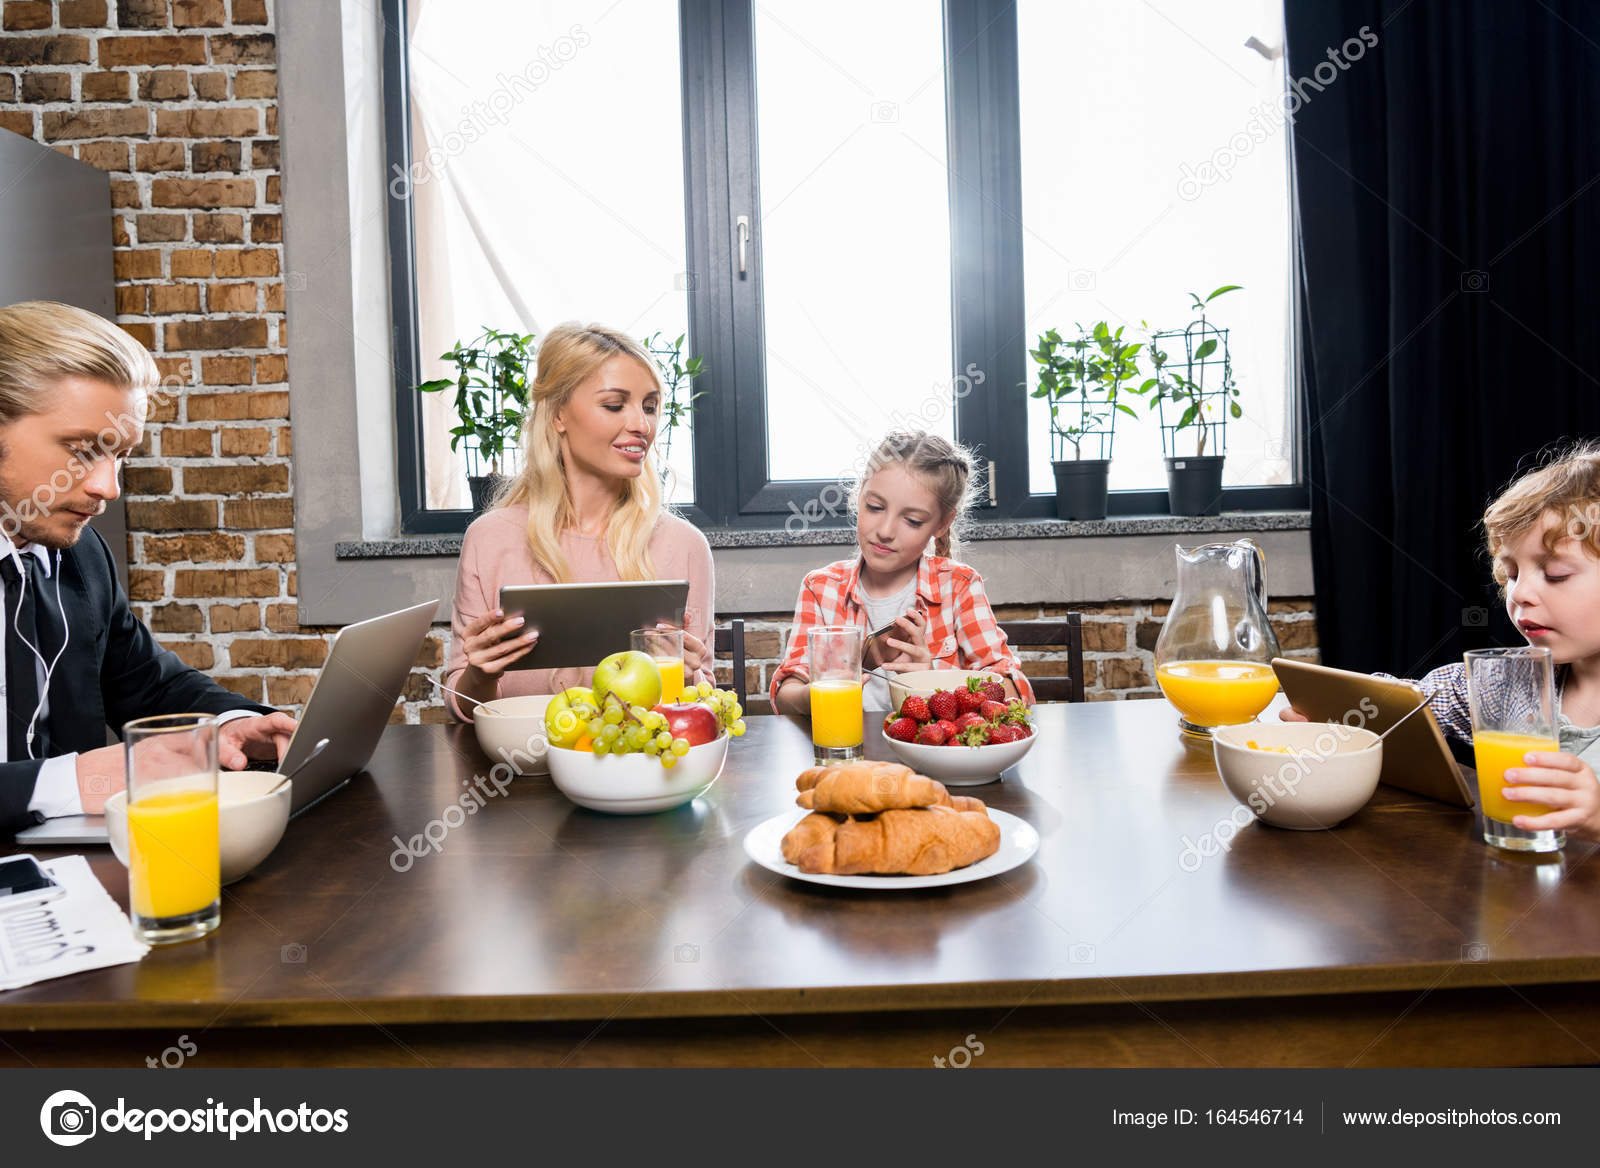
pixel 963 736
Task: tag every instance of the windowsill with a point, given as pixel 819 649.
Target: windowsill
pixel 739 537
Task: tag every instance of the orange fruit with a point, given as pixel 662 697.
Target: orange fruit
pixel 584 743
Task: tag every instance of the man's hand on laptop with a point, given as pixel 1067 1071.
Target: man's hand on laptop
pixel 265 737
pixel 101 774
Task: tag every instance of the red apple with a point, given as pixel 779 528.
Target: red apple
pixel 690 720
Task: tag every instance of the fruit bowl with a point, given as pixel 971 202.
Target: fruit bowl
pixel 923 682
pixel 636 784
pixel 1301 775
pixel 962 766
pixel 511 730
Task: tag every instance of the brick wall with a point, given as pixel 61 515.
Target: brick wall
pixel 177 101
pixel 1119 640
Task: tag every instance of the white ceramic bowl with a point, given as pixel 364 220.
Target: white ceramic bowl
pixel 1329 774
pixel 635 784
pixel 962 766
pixel 250 821
pixel 924 681
pixel 511 730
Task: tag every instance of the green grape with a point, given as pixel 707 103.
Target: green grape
pixel 680 746
pixel 663 740
pixel 668 761
pixel 601 747
pixel 637 713
pixel 610 734
pixel 651 748
pixel 594 727
pixel 735 710
pixel 612 716
pixel 706 689
pixel 636 736
pixel 738 728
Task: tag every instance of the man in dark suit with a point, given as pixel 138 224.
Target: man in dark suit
pixel 73 397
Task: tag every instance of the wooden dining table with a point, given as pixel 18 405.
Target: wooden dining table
pixel 542 934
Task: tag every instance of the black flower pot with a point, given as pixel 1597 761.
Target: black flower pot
pixel 484 490
pixel 1081 487
pixel 1194 485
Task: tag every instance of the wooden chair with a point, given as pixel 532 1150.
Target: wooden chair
pixel 1068 688
pixel 731 641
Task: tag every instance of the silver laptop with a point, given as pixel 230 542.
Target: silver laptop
pixel 350 704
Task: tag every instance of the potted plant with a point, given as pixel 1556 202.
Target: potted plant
pixel 677 381
pixel 1202 397
pixel 493 374
pixel 1081 379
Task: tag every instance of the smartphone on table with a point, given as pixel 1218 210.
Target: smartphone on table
pixel 24 884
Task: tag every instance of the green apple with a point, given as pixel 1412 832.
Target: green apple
pixel 563 722
pixel 632 676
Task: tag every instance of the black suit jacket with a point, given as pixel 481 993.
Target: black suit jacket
pixel 112 672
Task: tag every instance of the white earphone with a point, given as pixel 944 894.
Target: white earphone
pixel 16 627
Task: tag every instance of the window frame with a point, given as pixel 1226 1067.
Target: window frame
pixel 721 169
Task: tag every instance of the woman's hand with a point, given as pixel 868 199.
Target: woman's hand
pixel 1562 782
pixel 696 657
pixel 493 643
pixel 912 652
pixel 1290 714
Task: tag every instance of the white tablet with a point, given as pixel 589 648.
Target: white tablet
pixel 579 624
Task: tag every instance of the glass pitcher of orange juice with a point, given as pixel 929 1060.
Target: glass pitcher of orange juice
pixel 1214 655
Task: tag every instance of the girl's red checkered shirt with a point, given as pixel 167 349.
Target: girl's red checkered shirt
pixel 962 630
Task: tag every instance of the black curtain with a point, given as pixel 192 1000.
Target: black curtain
pixel 1449 193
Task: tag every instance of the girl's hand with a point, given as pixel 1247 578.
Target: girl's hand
pixel 1290 714
pixel 912 653
pixel 1562 782
pixel 493 643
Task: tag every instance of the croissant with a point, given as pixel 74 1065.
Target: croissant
pixel 811 776
pixel 859 790
pixel 907 841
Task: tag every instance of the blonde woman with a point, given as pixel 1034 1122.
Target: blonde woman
pixel 585 507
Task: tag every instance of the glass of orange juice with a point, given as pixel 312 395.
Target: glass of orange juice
pixel 1512 694
pixel 834 655
pixel 174 858
pixel 665 646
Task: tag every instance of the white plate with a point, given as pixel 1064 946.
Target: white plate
pixel 1018 842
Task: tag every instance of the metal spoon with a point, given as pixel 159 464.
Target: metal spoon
pixel 315 750
pixel 475 702
pixel 1403 717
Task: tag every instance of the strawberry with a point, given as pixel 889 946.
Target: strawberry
pixel 970 698
pixel 1005 733
pixel 948 726
pixel 944 705
pixel 968 720
pixel 977 734
pixel 991 709
pixel 994 691
pixel 932 735
pixel 915 707
pixel 902 730
pixel 1016 712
